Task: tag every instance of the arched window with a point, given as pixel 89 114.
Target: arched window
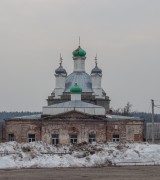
pixel 92 137
pixel 31 137
pixel 73 138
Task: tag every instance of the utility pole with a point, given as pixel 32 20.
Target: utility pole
pixel 152 102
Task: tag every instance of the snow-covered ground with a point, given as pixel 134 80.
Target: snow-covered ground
pixel 38 154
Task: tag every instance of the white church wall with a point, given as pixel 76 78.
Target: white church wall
pixel 60 81
pixel 75 97
pixel 58 92
pixel 98 93
pixel 100 111
pixel 59 86
pixel 54 111
pixel 79 65
pixel 92 111
pixel 96 81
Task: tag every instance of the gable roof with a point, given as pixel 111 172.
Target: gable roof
pixel 72 104
pixel 74 113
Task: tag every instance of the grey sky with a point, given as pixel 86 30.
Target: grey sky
pixel 124 33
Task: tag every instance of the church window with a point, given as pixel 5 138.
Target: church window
pixel 31 137
pixel 55 139
pixel 115 138
pixel 92 138
pixel 11 137
pixel 73 138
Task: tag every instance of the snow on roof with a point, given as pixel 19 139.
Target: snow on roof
pixel 119 117
pixel 34 116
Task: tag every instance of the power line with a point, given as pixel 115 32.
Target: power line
pixel 157 107
pixel 157 100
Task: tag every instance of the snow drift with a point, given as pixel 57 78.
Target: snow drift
pixel 38 154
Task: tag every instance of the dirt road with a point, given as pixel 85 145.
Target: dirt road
pixel 104 173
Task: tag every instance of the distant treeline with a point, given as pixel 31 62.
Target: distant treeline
pixel 8 115
pixel 146 116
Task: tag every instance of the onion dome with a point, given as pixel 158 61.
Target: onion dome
pixel 79 52
pixel 96 69
pixel 76 89
pixel 60 70
pixel 82 78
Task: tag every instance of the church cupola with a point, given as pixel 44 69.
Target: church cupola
pixel 96 69
pixel 79 52
pixel 60 69
pixel 96 75
pixel 60 74
pixel 79 56
pixel 76 92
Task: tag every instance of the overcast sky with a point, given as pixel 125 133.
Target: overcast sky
pixel 124 33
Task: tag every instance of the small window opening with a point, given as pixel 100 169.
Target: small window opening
pixel 92 138
pixel 115 138
pixel 73 138
pixel 55 139
pixel 11 137
pixel 31 137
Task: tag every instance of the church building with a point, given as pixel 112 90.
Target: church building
pixel 77 112
pixel 92 91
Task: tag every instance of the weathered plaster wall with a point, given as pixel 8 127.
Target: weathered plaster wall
pixel 21 129
pixel 45 128
pixel 75 123
pixel 127 130
pixel 64 129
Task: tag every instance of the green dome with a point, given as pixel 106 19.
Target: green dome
pixel 76 89
pixel 79 52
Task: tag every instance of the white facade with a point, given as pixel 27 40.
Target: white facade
pixel 92 110
pixel 74 105
pixel 96 81
pixel 79 64
pixel 75 97
pixel 96 85
pixel 59 85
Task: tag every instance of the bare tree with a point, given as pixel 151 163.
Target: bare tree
pixel 127 109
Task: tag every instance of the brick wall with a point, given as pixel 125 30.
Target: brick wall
pixel 78 123
pixel 128 130
pixel 64 126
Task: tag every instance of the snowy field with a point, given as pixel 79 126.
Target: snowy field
pixel 38 154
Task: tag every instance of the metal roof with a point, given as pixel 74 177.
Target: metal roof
pixel 72 104
pixel 96 70
pixel 82 79
pixel 34 116
pixel 119 117
pixel 60 70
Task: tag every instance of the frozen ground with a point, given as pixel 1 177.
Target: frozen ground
pixel 38 154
